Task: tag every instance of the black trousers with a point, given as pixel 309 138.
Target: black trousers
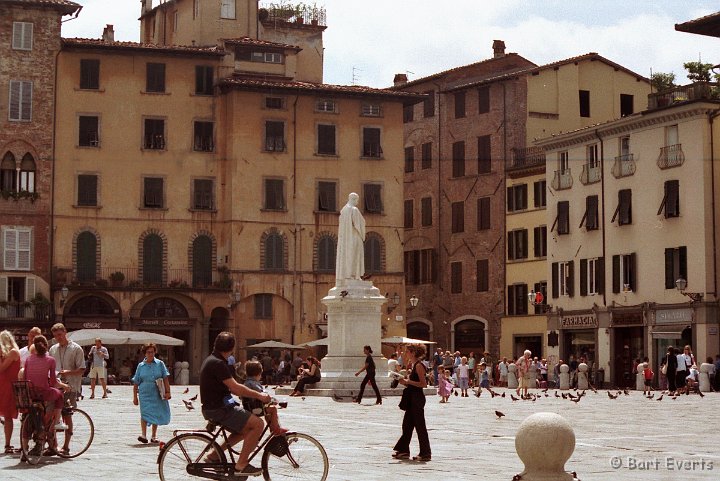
pixel 672 387
pixel 414 419
pixel 300 386
pixel 369 379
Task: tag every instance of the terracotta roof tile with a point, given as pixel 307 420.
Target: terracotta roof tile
pixel 254 42
pixel 64 5
pixel 141 47
pixel 708 25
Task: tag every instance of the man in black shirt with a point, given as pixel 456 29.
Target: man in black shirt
pixel 216 384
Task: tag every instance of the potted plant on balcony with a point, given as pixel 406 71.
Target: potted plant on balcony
pixel 117 278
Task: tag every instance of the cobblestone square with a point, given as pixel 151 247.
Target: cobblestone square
pixel 467 439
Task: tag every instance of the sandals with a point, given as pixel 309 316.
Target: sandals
pixel 10 449
pixel 64 451
pixel 142 439
pixel 398 455
pixel 154 440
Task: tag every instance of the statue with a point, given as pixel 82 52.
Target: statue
pixel 350 258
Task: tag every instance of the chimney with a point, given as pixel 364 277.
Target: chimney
pixel 400 79
pixel 498 48
pixel 108 34
pixel 146 6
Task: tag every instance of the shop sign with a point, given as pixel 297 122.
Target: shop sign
pixel 580 321
pixel 674 316
pixel 95 324
pixel 164 322
pixel 627 318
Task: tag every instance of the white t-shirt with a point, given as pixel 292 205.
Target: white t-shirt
pixel 681 363
pixel 503 369
pixel 24 354
pixel 463 370
pixel 393 365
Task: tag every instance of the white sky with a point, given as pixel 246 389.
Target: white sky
pixel 379 38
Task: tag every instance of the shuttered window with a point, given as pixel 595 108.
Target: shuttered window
pixel 274 252
pixel 426 161
pixel 429 104
pixel 456 277
pixel 459 105
pixel 540 241
pixel 20 108
pixel 373 198
pixel 517 300
pixel 274 194
pixel 263 306
pixel 483 220
pixel 409 205
pixel 409 159
pixel 87 190
pixel 484 155
pixel 484 100
pixel 22 38
pixel 326 139
pixel 458 160
pixel 326 254
pixel 153 197
pixel 675 266
pixel 426 211
pixel 458 217
pixel 483 275
pixel 16 249
pixel 203 195
pixel 540 194
pixel 326 197
pixel 155 81
pixel 89 74
pixel 203 80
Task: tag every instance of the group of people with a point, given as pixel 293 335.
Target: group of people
pixel 680 371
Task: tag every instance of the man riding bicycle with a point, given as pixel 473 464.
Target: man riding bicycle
pixel 218 406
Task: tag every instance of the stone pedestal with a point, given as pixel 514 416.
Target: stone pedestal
pixel 544 442
pixel 582 374
pixel 704 377
pixel 512 377
pixel 564 377
pixel 640 378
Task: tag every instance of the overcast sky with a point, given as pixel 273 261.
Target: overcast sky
pixel 378 38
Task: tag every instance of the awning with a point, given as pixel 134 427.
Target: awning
pixel 669 332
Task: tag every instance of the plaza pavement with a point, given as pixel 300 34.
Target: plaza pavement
pixel 468 441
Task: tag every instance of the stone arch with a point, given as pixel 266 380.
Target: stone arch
pixel 96 304
pixel 141 252
pixel 191 256
pixel 194 310
pixel 98 250
pixel 319 238
pixel 263 241
pixel 457 325
pixel 428 327
pixel 370 239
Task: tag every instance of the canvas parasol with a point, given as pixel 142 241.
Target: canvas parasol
pixel 404 340
pixel 272 345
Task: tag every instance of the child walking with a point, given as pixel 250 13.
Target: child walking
pixel 463 376
pixel 648 375
pixel 444 386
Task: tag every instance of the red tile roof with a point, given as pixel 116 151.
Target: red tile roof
pixel 142 47
pixel 708 25
pixel 255 42
pixel 248 82
pixel 65 6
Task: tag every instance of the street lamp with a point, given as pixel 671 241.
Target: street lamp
pixel 393 301
pixel 414 301
pixel 63 295
pixel 681 284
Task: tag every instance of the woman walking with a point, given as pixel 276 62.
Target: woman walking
pixel 413 403
pixel 671 363
pixel 369 369
pixel 9 367
pixel 310 375
pixel 154 408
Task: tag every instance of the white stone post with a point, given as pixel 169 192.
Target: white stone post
pixel 704 377
pixel 512 377
pixel 544 442
pixel 582 375
pixel 640 377
pixel 184 373
pixel 177 367
pixel 564 377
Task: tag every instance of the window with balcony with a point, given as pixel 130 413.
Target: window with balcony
pixel 17 248
pixel 408 208
pixel 541 287
pixel 624 163
pixel 671 155
pixel 456 278
pixel 675 265
pixel 591 170
pixel 484 100
pixel 426 160
pixel 624 273
pixel 22 36
pixel 623 212
pixel 590 218
pixel 483 213
pixel 154 134
pixel 484 155
pixel 458 160
pixel 20 107
pixel 562 219
pixel 204 80
pixel 483 275
pixel 153 193
pixel 592 276
pixel 155 78
pixel 274 136
pixel 429 104
pixel 88 131
pixel 420 266
pixel 326 139
pixel 87 190
pixel 517 198
pixel 372 147
pixel 202 261
pixel 584 97
pixel 409 159
pixel 517 300
pixel 327 196
pixel 670 204
pixel 27 174
pixel 16 294
pixel 89 74
pixel 86 266
pixel 540 193
pixel 562 278
pixel 459 105
pixel 540 241
pixel 372 194
pixel 274 194
pixel 517 244
pixel 458 217
pixel 426 211
pixel 203 194
pixel 563 162
pixel 263 304
pixel 203 136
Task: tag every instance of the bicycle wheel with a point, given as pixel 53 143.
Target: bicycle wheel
pixel 80 437
pixel 185 449
pixel 306 459
pixel 32 440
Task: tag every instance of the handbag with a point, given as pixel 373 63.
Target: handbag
pixel 664 369
pixel 160 383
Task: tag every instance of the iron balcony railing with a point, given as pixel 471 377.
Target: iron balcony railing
pixel 624 166
pixel 24 310
pixel 683 93
pixel 562 179
pixel 671 156
pixel 525 158
pixel 134 277
pixel 590 174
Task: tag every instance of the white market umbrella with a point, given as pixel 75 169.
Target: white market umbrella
pixel 404 340
pixel 317 342
pixel 86 337
pixel 272 345
pixel 142 337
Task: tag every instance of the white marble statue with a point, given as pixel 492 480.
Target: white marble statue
pixel 350 259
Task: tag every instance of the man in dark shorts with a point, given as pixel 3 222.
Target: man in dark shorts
pixel 216 384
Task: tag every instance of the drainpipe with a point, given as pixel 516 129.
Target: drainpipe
pixel 439 269
pixel 51 237
pixel 602 213
pixel 711 118
pixel 296 231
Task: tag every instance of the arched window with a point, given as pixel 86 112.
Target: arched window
pixel 91 306
pixel 326 254
pixel 470 336
pixel 274 252
pixel 153 260
pixel 418 330
pixel 202 261
pixel 164 307
pixel 27 173
pixel 86 267
pixel 373 254
pixel 8 178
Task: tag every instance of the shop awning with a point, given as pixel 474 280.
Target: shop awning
pixel 668 333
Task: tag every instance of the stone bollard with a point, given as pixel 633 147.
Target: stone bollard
pixel 512 377
pixel 177 367
pixel 564 377
pixel 582 376
pixel 640 377
pixel 185 373
pixel 704 377
pixel 544 442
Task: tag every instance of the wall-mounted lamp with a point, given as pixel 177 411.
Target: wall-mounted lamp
pixel 63 295
pixel 414 301
pixel 393 301
pixel 235 298
pixel 681 284
pixel 535 298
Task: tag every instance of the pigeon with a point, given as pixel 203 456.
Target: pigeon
pixel 513 398
pixel 650 396
pixel 303 398
pixel 611 396
pixel 194 398
pixel 545 390
pixel 365 276
pixel 673 398
pixel 188 405
pixel 564 396
pixel 701 394
pixel 492 393
pixel 570 395
pixel 547 395
pixel 499 414
pixel 577 399
pixel 187 390
pixel 343 293
pixel 660 398
pixel 593 389
pixel 502 395
pixel 626 392
pixel 455 392
pixel 556 394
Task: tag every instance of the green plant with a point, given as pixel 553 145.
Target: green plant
pixel 662 81
pixel 16 196
pixel 117 277
pixel 700 72
pixel 40 300
pixel 178 284
pixel 134 284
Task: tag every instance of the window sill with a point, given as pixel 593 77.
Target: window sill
pixel 88 146
pixel 95 207
pixel 371 116
pixel 332 156
pixel 209 211
pixel 274 151
pixel 196 94
pixel 143 92
pixel 164 209
pixel 330 212
pixel 331 112
pixel 372 158
pixel 80 89
pixel 152 150
pixel 373 213
pixel 204 151
pixel 282 211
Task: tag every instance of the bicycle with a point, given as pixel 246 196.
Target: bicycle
pixel 291 455
pixel 36 427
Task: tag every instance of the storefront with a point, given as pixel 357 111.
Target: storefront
pixel 628 344
pixel 671 327
pixel 578 334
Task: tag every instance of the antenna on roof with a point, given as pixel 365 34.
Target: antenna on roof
pixel 355 75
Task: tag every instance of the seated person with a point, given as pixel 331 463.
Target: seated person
pixel 253 371
pixel 692 379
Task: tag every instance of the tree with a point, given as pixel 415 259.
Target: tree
pixel 699 72
pixel 662 81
